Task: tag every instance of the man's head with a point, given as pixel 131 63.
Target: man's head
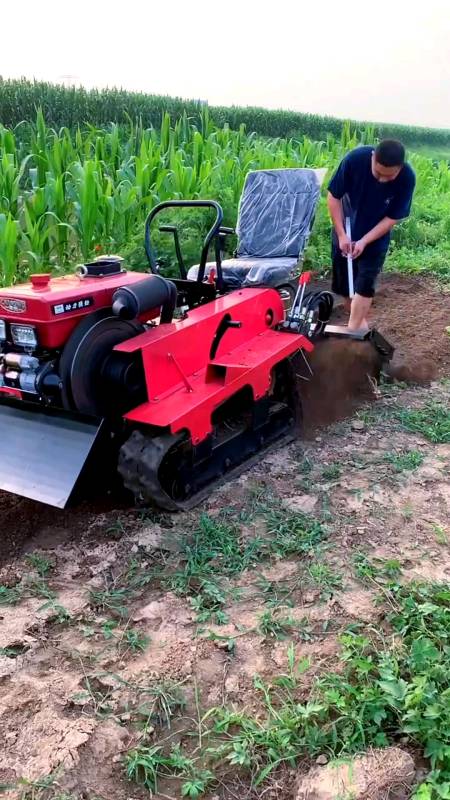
pixel 387 160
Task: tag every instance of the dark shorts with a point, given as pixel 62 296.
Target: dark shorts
pixel 366 270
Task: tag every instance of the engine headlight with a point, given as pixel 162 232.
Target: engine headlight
pixel 24 335
pixel 2 330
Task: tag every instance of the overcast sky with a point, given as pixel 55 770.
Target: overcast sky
pixel 381 61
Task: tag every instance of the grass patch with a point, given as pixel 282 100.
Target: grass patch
pixel 118 592
pixel 406 461
pixel 290 533
pixel 147 765
pixel 379 570
pixel 217 550
pixel 276 626
pixel 332 472
pixel 384 690
pixel 325 579
pixel 432 421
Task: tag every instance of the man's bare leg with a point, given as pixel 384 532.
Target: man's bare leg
pixel 359 311
pixel 347 304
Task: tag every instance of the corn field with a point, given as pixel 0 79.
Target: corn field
pixel 72 106
pixel 65 195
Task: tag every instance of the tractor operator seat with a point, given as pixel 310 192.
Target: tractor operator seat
pixel 275 217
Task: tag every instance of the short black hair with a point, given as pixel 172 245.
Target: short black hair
pixel 390 153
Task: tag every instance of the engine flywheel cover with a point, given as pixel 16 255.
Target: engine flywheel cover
pixel 84 364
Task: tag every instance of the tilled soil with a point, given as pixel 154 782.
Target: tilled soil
pixel 413 313
pixel 76 686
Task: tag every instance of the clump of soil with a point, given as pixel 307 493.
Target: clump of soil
pixel 344 376
pixel 373 775
pixel 412 314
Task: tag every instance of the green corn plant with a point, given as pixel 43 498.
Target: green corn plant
pixel 87 203
pixel 9 236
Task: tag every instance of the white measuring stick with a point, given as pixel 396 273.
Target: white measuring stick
pixel 348 230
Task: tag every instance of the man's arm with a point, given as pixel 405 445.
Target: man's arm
pixel 336 214
pixel 377 232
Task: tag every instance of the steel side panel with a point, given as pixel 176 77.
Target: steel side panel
pixel 250 364
pixel 173 353
pixel 41 455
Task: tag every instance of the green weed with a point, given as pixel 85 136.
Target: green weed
pixel 383 690
pixel 134 640
pixel 117 530
pixel 276 593
pixel 111 600
pixel 118 592
pixel 440 533
pixel 14 650
pixel 147 765
pixel 324 578
pixel 332 472
pixel 408 460
pixel 43 788
pixel 291 533
pixel 10 595
pixel 407 511
pixel 432 421
pixel 41 564
pixel 378 569
pixel 158 704
pixel 276 626
pixel 58 612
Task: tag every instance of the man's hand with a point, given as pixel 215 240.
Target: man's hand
pixel 358 247
pixel 345 244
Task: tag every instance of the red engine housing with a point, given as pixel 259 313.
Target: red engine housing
pixel 54 306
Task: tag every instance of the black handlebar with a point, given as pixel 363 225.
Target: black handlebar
pixel 212 233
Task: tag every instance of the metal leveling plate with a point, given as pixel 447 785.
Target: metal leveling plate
pixel 42 455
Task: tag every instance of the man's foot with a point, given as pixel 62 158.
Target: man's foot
pixel 362 330
pixel 359 313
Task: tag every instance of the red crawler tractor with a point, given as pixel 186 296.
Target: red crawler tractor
pixel 172 383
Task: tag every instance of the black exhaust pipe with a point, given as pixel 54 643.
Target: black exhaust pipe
pixel 154 291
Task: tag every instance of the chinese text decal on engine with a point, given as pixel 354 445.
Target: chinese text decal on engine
pixel 73 305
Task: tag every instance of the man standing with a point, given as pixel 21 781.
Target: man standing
pixel 374 187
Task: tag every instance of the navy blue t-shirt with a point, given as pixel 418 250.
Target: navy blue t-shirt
pixel 366 200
